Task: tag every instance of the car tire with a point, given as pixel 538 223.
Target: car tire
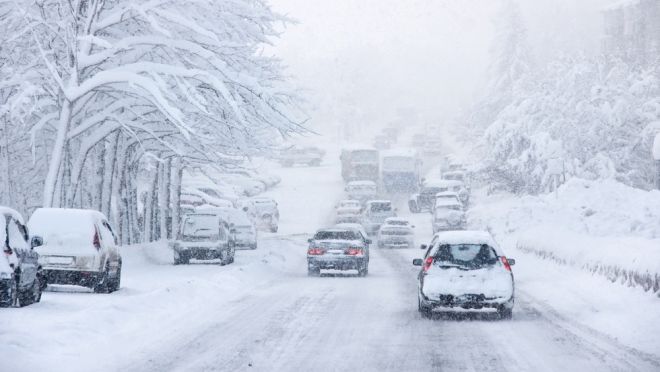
pixel 31 295
pixel 313 271
pixel 505 313
pixel 232 256
pixel 10 300
pixel 425 312
pixel 224 257
pixel 101 285
pixel 115 283
pixel 363 270
pixel 273 229
pixel 254 246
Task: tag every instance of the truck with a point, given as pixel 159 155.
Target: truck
pixel 359 163
pixel 400 171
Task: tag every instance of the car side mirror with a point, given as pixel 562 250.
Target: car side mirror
pixel 423 246
pixel 36 241
pixel 368 241
pixel 511 261
pixel 309 240
pixel 418 262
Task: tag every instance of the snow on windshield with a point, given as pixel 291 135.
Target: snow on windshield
pixel 201 225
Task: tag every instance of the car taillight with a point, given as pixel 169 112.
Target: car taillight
pixel 8 251
pixel 506 263
pixel 97 240
pixel 429 261
pixel 353 251
pixel 315 251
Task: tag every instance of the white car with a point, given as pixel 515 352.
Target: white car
pixel 79 248
pixel 443 196
pixel 266 180
pixel 448 215
pixel 263 212
pixel 362 191
pixel 214 191
pixel 375 213
pixel 250 187
pixel 398 221
pixel 465 270
pixel 348 211
pixel 395 235
pixel 207 199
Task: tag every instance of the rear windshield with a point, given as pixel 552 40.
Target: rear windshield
pixel 448 207
pixel 362 189
pixel 397 223
pixel 337 235
pixel 364 156
pixel 431 190
pixel 202 225
pixel 381 207
pixel 472 256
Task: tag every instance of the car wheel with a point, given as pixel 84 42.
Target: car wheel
pixel 364 269
pixel 9 299
pixel 224 257
pixel 232 256
pixel 505 313
pixel 115 282
pixel 101 285
pixel 273 229
pixel 313 271
pixel 254 246
pixel 31 295
pixel 425 312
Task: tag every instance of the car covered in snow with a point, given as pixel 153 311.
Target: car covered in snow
pixel 21 276
pixel 348 211
pixel 445 195
pixel 448 215
pixel 204 235
pixel 375 213
pixel 245 233
pixel 338 249
pixel 214 191
pixel 381 142
pixel 396 233
pixel 311 156
pixel 250 187
pixel 263 212
pixel 79 248
pixel 362 191
pixel 266 179
pixel 432 146
pixel 191 195
pixel 430 188
pixel 465 270
pixel 419 139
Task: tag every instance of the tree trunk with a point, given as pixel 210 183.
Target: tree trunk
pixel 164 199
pixel 176 195
pixel 99 172
pixel 110 174
pixel 56 159
pixel 149 206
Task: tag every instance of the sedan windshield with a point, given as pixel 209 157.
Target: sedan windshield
pixel 337 235
pixel 472 256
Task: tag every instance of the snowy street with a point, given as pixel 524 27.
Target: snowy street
pixel 264 313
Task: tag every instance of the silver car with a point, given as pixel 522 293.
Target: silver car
pixel 338 249
pixel 204 236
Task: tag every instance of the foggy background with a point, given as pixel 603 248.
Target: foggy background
pixel 364 59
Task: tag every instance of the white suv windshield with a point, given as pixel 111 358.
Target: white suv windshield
pixel 201 225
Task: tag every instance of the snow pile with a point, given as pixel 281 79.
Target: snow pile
pixel 656 147
pixel 601 226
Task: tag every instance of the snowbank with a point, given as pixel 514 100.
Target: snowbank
pixel 629 260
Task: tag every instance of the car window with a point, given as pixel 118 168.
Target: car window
pixel 108 234
pixel 338 235
pixel 472 256
pixel 16 235
pixel 381 207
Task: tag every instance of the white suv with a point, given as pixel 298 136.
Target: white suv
pixel 79 247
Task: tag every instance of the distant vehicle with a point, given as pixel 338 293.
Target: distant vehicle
pixel 188 195
pixel 465 270
pixel 348 211
pixel 446 195
pixel 338 249
pixel 425 198
pixel 375 213
pixel 448 215
pixel 250 186
pixel 21 276
pixel 391 132
pixel 454 176
pixel 397 233
pixel 79 248
pixel 311 156
pixel 263 212
pixel 432 146
pixel 419 139
pixel 432 130
pixel 204 235
pixel 215 191
pixel 242 229
pixel 381 142
pixel 400 171
pixel 268 180
pixel 362 191
pixel 359 163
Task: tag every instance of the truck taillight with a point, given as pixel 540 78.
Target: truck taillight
pixel 506 263
pixel 429 261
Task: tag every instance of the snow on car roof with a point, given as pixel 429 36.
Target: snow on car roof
pixel 396 219
pixel 467 237
pixel 448 201
pixel 446 193
pixel 379 201
pixel 17 216
pixel 357 146
pixel 361 183
pixel 400 153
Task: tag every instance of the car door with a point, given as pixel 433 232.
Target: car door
pixel 18 241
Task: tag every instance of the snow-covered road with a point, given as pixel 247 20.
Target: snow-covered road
pixel 264 313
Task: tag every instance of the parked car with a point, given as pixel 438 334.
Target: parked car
pixel 419 139
pixel 263 212
pixel 348 211
pixel 445 195
pixel 250 187
pixel 265 179
pixel 362 191
pixel 395 233
pixel 397 221
pixel 215 191
pixel 187 194
pixel 465 270
pixel 21 275
pixel 245 233
pixel 430 188
pixel 204 235
pixel 79 248
pixel 338 249
pixel 311 156
pixel 448 215
pixel 381 142
pixel 375 213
